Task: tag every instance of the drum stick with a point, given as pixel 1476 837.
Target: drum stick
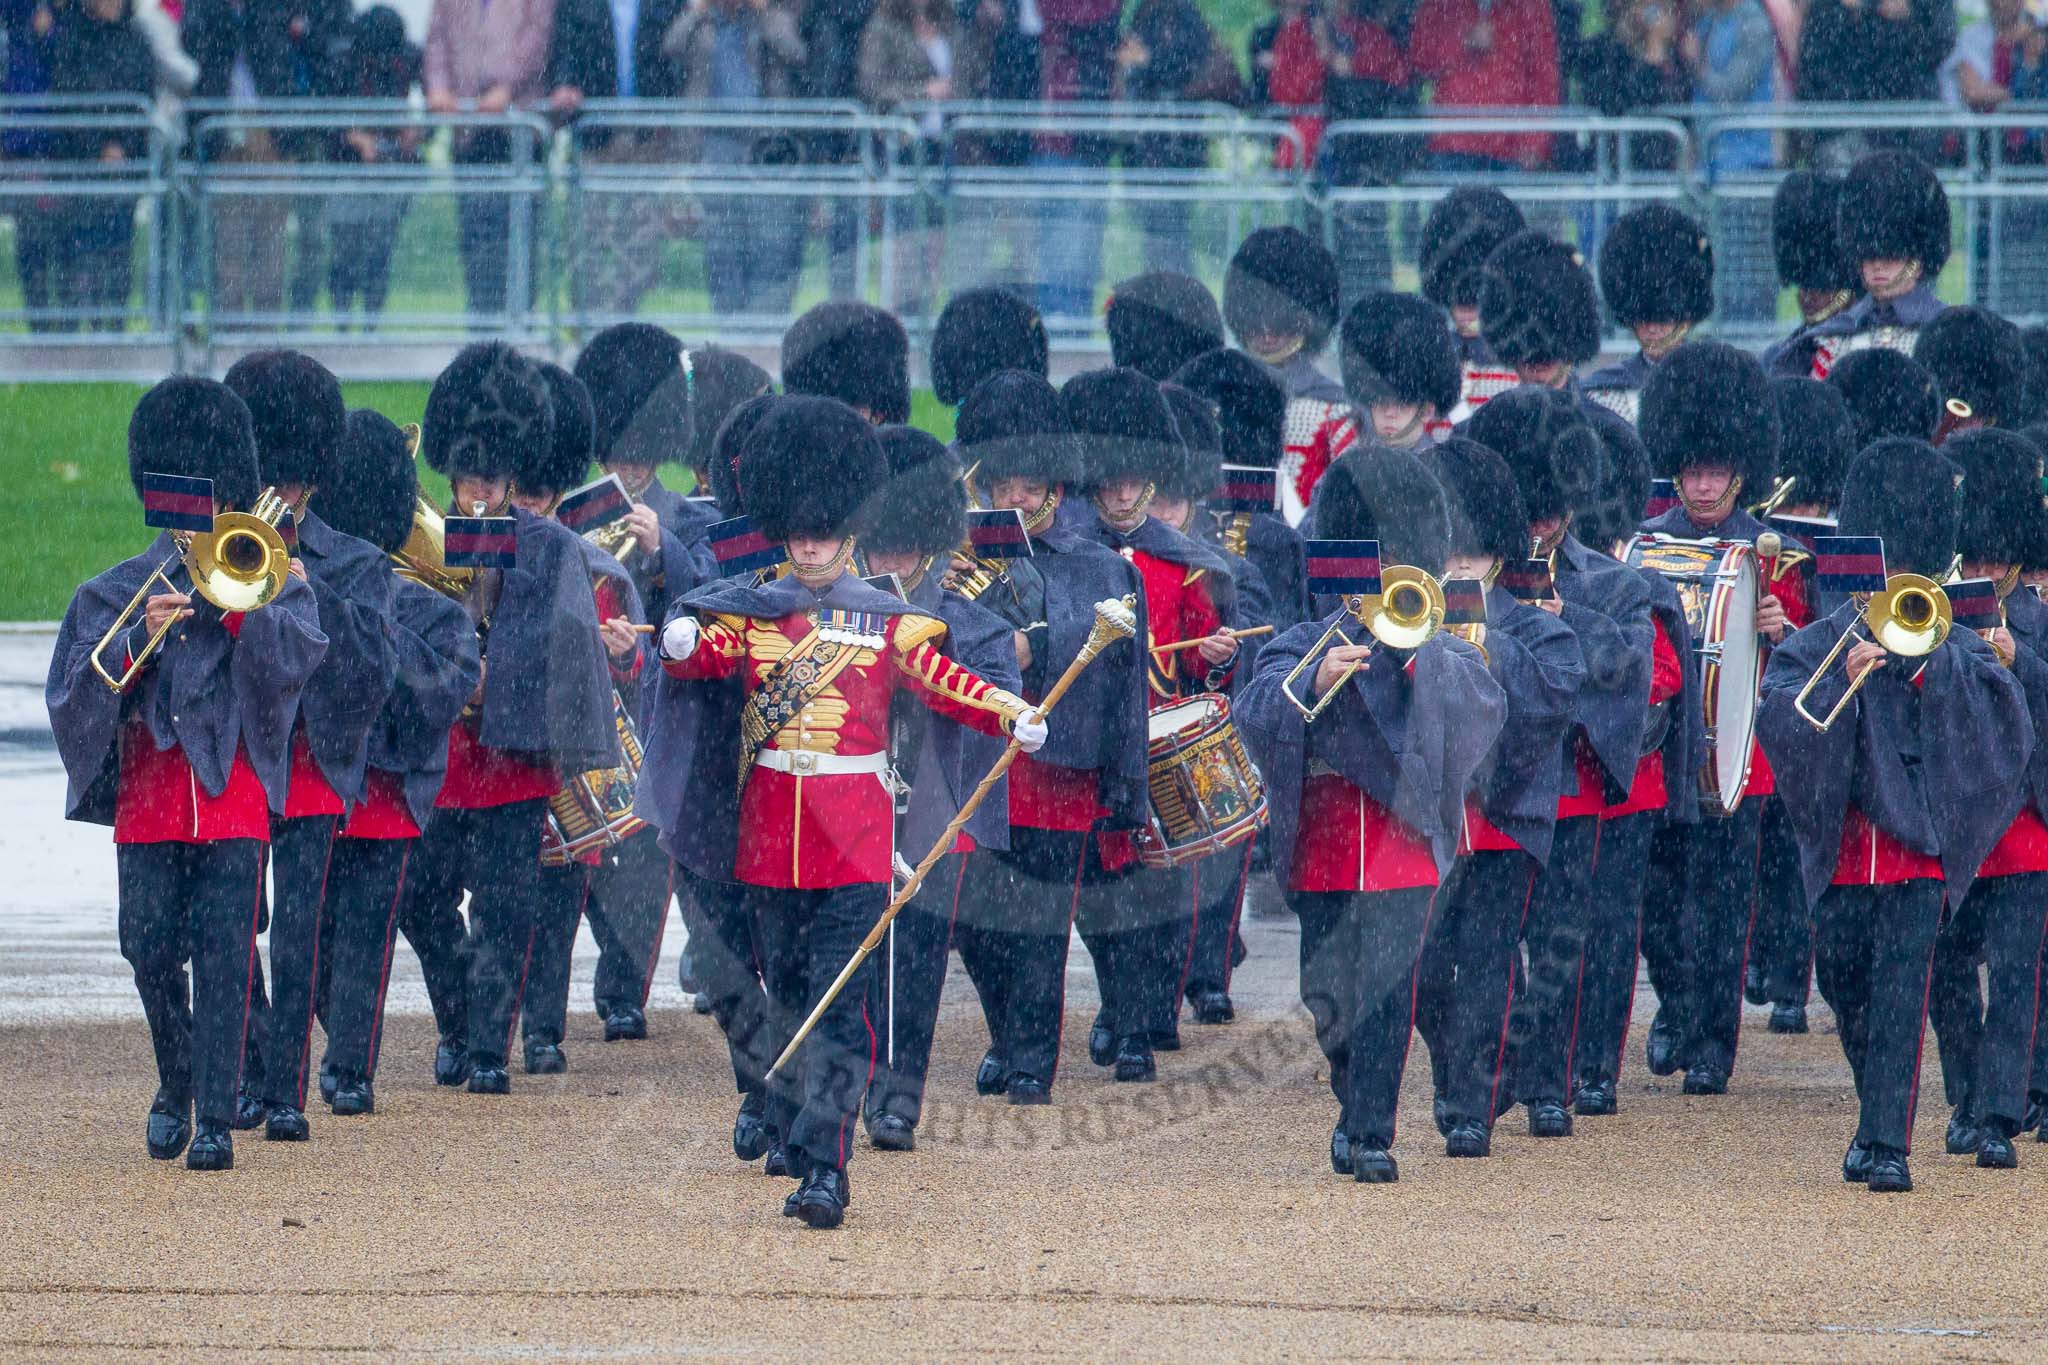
pixel 643 629
pixel 1114 620
pixel 1233 634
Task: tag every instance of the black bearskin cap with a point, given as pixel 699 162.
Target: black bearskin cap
pixel 1657 265
pixel 1905 491
pixel 196 429
pixel 2035 339
pixel 375 484
pixel 726 448
pixel 1709 403
pixel 486 407
pixel 1376 493
pixel 1399 347
pixel 1536 303
pixel 981 332
pixel 723 381
pixel 1614 511
pixel 1461 232
pixel 924 508
pixel 1893 207
pixel 564 462
pixel 811 467
pixel 1978 357
pixel 1014 426
pixel 1281 282
pixel 1124 426
pixel 1549 446
pixel 297 412
pixel 1198 472
pixel 1806 234
pixel 638 396
pixel 1485 506
pixel 1816 438
pixel 854 352
pixel 2004 519
pixel 1160 321
pixel 1888 394
pixel 1251 407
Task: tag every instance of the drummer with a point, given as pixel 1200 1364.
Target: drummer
pixel 1657 275
pixel 1710 422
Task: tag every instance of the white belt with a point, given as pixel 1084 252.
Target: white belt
pixel 804 763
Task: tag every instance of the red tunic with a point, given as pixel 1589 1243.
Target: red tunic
pixel 1588 795
pixel 2022 848
pixel 310 793
pixel 1177 607
pixel 160 800
pixel 1318 432
pixel 1481 834
pixel 1349 842
pixel 1667 679
pixel 480 777
pixel 1871 857
pixel 1047 796
pixel 1789 587
pixel 383 813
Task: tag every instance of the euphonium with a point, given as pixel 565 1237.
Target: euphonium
pixel 423 558
pixel 1910 618
pixel 1406 612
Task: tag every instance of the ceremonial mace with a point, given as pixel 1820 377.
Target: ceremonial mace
pixel 1114 620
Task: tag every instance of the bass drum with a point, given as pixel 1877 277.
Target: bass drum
pixel 594 810
pixel 1718 585
pixel 1207 794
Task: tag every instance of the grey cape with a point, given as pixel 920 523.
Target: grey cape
pixel 1535 658
pixel 351 580
pixel 943 761
pixel 436 670
pixel 1608 606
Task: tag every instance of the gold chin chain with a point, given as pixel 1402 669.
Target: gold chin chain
pixel 1718 509
pixel 1042 518
pixel 825 573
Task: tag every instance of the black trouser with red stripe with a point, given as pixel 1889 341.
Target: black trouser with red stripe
pixel 1359 955
pixel 364 883
pixel 721 929
pixel 1015 922
pixel 1543 1027
pixel 805 938
pixel 1782 942
pixel 910 977
pixel 628 911
pixel 1219 902
pixel 196 901
pixel 1465 985
pixel 1987 1047
pixel 281 1028
pixel 560 894
pixel 1707 872
pixel 1614 928
pixel 1873 956
pixel 1136 928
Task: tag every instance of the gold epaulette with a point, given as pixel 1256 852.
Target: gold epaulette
pixel 1791 558
pixel 913 630
pixel 735 624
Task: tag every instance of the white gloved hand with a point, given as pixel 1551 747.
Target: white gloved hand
pixel 679 638
pixel 1029 731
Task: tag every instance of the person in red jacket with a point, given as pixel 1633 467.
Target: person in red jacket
pixel 1493 55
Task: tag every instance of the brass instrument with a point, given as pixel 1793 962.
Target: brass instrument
pixel 423 557
pixel 240 565
pixel 1910 618
pixel 1237 533
pixel 1407 611
pixel 1474 634
pixel 615 538
pixel 1956 418
pixel 1780 490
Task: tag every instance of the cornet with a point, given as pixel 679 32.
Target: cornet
pixel 1408 609
pixel 1910 618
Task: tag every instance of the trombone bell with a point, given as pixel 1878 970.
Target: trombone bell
pixel 1910 618
pixel 1408 610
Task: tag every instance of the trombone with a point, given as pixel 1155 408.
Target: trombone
pixel 239 565
pixel 1408 609
pixel 424 556
pixel 1910 618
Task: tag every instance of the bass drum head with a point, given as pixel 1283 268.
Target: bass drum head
pixel 1735 692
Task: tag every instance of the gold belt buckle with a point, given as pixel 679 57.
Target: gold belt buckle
pixel 804 763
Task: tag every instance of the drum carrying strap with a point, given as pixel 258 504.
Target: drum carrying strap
pixel 1659 727
pixel 787 688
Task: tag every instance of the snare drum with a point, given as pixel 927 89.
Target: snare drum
pixel 595 809
pixel 1718 586
pixel 1207 794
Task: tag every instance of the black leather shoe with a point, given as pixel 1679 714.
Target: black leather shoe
pixel 451 1063
pixel 1706 1080
pixel 330 1081
pixel 789 1202
pixel 700 1003
pixel 1029 1090
pixel 490 1080
pixel 1166 1040
pixel 170 1126
pixel 286 1124
pixel 752 1135
pixel 212 1149
pixel 249 1112
pixel 1212 1007
pixel 1374 1166
pixel 1788 1018
pixel 992 1077
pixel 545 1059
pixel 628 1022
pixel 1661 1049
pixel 1549 1121
pixel 1856 1164
pixel 1964 1137
pixel 1888 1172
pixel 1440 1111
pixel 1101 1044
pixel 1594 1100
pixel 1995 1153
pixel 2032 1121
pixel 1753 985
pixel 1340 1150
pixel 777 1163
pixel 891 1133
pixel 1134 1061
pixel 353 1096
pixel 1468 1139
pixel 821 1199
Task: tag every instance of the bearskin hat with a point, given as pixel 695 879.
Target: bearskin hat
pixel 375 484
pixel 1161 320
pixel 1198 473
pixel 1536 303
pixel 811 467
pixel 2035 339
pixel 1905 491
pixel 1399 347
pixel 1460 233
pixel 196 429
pixel 1282 282
pixel 1612 512
pixel 854 352
pixel 924 508
pixel 1806 234
pixel 723 471
pixel 1015 426
pixel 564 462
pixel 485 408
pixel 1709 403
pixel 1124 426
pixel 297 411
pixel 1893 207
pixel 981 332
pixel 1376 493
pixel 1485 506
pixel 1888 394
pixel 643 402
pixel 2004 517
pixel 722 380
pixel 1816 438
pixel 1978 357
pixel 1547 443
pixel 1251 407
pixel 1657 265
